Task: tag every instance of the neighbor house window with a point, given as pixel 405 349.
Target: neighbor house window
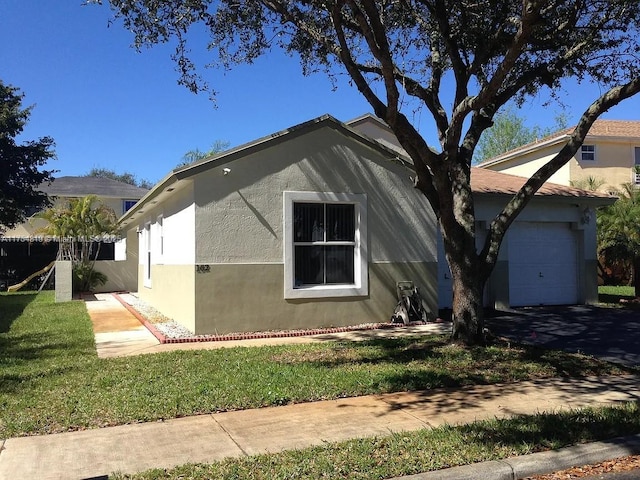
pixel 127 204
pixel 588 152
pixel 325 245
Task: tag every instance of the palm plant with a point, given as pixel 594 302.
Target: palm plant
pixel 588 183
pixel 619 232
pixel 79 226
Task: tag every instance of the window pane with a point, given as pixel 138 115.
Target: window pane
pixel 588 152
pixel 339 264
pixel 637 155
pixel 340 223
pixel 308 222
pixel 309 263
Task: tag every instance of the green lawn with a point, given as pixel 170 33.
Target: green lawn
pixel 51 379
pixel 613 294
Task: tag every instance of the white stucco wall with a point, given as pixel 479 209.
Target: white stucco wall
pixel 178 229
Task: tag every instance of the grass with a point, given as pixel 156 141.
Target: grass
pixel 616 294
pixel 51 379
pixel 420 451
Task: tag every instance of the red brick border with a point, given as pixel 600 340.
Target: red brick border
pixel 162 338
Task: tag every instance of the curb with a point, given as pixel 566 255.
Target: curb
pixel 537 463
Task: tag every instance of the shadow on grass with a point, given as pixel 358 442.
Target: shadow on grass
pixel 11 307
pixel 462 404
pixel 557 430
pixel 623 301
pixel 34 355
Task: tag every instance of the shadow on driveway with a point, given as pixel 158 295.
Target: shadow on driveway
pixel 612 334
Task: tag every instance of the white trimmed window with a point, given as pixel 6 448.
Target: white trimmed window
pixel 588 153
pixel 325 253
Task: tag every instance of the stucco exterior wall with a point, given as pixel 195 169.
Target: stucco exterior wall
pixel 170 288
pixel 579 217
pixel 239 215
pixel 122 275
pixel 239 298
pixel 172 292
pixel 529 163
pixel 613 164
pixel 239 235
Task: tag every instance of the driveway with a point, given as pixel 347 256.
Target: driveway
pixel 609 333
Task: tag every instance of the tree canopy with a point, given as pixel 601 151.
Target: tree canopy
pixel 124 177
pixel 508 132
pixel 20 173
pixel 194 155
pixel 459 60
pixel 79 226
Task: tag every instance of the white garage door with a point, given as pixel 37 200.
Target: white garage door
pixel 543 267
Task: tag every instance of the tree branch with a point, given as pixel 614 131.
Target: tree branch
pixel 505 218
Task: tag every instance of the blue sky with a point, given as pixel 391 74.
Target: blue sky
pixel 108 106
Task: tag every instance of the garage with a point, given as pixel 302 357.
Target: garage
pixel 543 264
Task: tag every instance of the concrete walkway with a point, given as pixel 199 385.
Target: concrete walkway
pixel 132 448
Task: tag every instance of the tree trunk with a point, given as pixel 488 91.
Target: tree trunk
pixel 468 277
pixel 467 308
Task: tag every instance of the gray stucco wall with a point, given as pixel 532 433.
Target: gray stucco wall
pixel 239 215
pixel 237 298
pixel 239 234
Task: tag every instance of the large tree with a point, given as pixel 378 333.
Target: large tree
pixel 460 60
pixel 20 173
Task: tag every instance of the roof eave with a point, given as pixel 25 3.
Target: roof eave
pixel 523 151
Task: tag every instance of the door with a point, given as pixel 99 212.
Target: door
pixel 543 266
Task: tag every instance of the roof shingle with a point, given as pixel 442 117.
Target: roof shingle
pixel 82 186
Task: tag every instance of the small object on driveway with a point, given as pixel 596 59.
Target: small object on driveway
pixel 409 308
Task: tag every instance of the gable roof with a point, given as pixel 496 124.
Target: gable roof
pixel 82 186
pixel 482 181
pixel 497 183
pixel 601 129
pixel 179 175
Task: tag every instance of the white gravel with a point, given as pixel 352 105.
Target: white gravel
pixel 165 325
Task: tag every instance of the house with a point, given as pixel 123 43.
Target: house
pixel 548 255
pixel 610 153
pixel 314 226
pixel 24 250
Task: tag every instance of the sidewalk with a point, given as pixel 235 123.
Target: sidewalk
pixel 132 448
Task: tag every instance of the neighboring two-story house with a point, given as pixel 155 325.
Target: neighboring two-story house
pixel 610 155
pixel 24 250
